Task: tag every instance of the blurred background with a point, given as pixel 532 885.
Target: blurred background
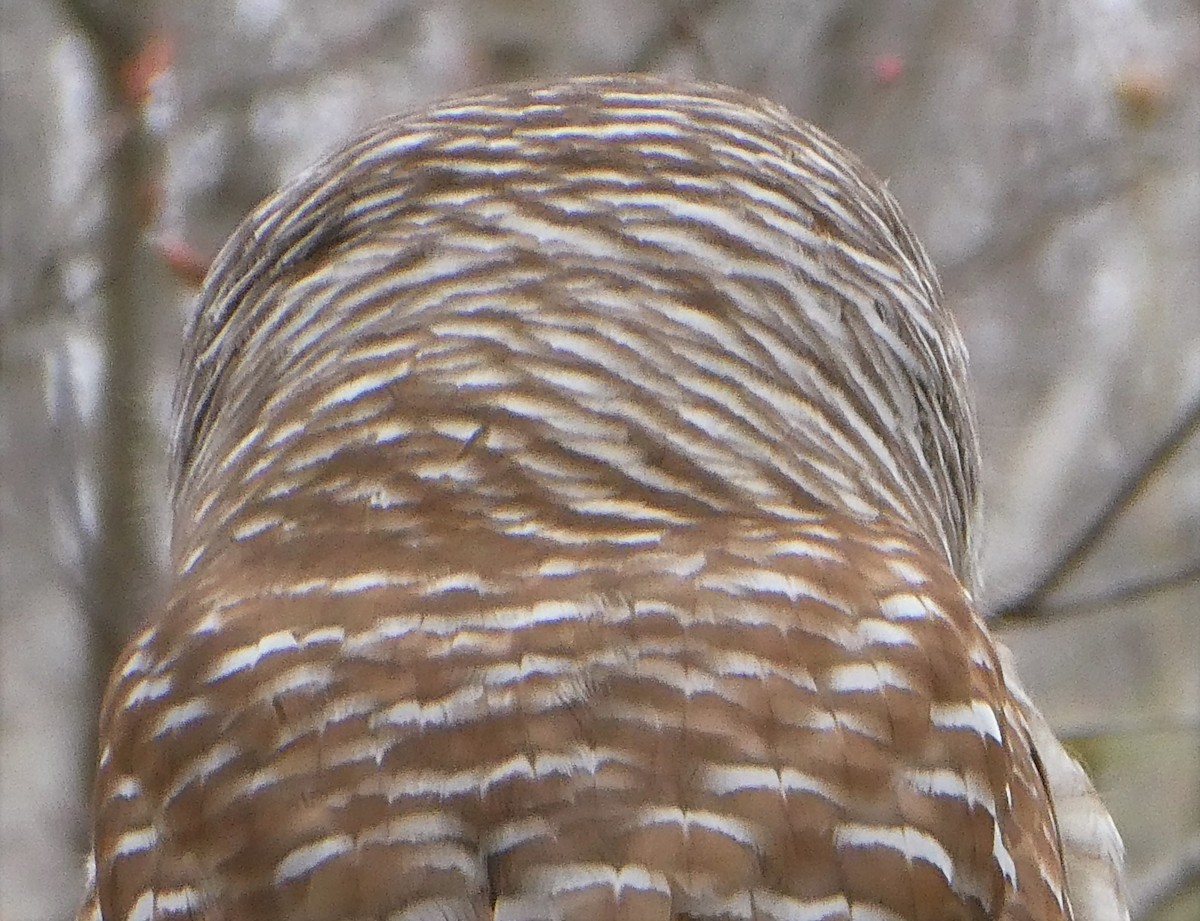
pixel 1048 154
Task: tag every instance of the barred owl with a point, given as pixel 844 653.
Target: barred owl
pixel 573 517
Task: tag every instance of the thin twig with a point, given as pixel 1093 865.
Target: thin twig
pixel 1128 593
pixel 679 27
pixel 1031 605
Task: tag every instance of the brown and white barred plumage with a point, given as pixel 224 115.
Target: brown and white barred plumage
pixel 573 511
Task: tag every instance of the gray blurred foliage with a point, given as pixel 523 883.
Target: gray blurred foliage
pixel 1048 154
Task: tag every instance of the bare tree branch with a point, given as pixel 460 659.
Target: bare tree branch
pixel 680 26
pixel 117 568
pixel 114 29
pixel 1032 604
pixel 1127 593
